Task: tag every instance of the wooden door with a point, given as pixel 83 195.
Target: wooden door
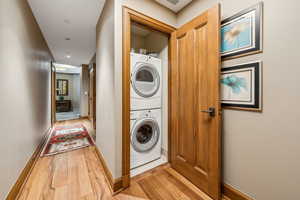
pixel 195 106
pixel 92 95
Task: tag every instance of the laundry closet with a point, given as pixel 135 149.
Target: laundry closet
pixel 148 99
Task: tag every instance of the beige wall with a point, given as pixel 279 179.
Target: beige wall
pixel 25 89
pixel 105 88
pixel 137 43
pixel 93 61
pixel 73 90
pixel 76 93
pixel 261 150
pixel 68 77
pixel 84 91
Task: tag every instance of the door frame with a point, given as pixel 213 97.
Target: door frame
pixel 93 105
pixel 53 93
pixel 129 16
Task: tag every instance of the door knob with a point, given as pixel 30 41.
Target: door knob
pixel 211 111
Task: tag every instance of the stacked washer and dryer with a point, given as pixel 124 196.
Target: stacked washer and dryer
pixel 146 104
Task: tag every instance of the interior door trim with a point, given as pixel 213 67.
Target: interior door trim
pixel 53 93
pixel 130 16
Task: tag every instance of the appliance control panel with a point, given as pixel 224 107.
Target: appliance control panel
pixel 136 115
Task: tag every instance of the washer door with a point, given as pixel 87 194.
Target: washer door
pixel 145 135
pixel 145 80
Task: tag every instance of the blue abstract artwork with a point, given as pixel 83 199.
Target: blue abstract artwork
pixel 237 35
pixel 241 86
pixel 235 83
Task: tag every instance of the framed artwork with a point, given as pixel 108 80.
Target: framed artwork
pixel 241 87
pixel 241 34
pixel 62 87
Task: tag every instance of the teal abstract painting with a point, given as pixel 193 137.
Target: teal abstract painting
pixel 241 86
pixel 237 35
pixel 241 34
pixel 235 83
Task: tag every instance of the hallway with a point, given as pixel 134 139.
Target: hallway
pixel 155 99
pixel 79 174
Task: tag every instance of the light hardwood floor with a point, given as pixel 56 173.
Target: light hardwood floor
pixel 79 175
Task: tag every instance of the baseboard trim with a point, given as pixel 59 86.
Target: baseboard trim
pixel 233 194
pixel 115 185
pixel 118 185
pixel 85 117
pixel 18 186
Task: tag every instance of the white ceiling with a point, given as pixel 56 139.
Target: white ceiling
pixel 174 5
pixel 74 19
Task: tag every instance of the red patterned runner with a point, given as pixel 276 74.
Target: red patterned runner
pixel 67 138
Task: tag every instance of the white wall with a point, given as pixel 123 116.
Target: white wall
pixel 76 93
pixel 73 90
pixel 105 88
pixel 68 77
pixel 84 91
pixel 137 43
pixel 261 151
pixel 25 89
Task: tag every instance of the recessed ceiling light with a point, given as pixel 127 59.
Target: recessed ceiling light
pixel 68 56
pixel 67 21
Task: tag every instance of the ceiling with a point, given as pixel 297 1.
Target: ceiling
pixel 174 5
pixel 69 27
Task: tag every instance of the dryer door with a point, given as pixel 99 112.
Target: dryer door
pixel 145 80
pixel 145 135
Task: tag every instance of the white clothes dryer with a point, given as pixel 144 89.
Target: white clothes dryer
pixel 146 82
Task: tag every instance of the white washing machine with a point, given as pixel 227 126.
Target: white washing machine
pixel 145 137
pixel 146 82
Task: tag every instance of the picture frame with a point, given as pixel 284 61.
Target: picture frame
pixel 241 87
pixel 241 34
pixel 62 87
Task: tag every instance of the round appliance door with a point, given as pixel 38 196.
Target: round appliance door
pixel 145 80
pixel 145 135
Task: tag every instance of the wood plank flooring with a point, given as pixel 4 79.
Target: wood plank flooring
pixel 79 175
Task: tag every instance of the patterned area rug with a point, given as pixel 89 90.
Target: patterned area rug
pixel 67 138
